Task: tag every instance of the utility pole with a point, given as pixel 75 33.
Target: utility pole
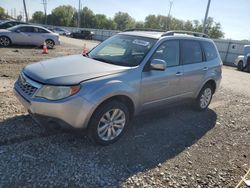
pixel 25 10
pixel 45 10
pixel 79 16
pixel 205 19
pixel 169 13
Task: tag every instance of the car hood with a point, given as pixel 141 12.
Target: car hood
pixel 70 70
pixel 4 31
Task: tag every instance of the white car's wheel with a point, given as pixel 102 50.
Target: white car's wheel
pixel 5 41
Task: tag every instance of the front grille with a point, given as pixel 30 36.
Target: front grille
pixel 25 86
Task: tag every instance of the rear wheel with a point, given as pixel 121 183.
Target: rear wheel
pixel 204 98
pixel 50 43
pixel 4 41
pixel 240 66
pixel 108 122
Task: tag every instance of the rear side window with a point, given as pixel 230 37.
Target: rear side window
pixel 190 52
pixel 39 30
pixel 209 50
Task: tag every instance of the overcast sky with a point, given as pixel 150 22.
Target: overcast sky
pixel 232 14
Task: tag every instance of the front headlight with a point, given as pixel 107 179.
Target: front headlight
pixel 57 92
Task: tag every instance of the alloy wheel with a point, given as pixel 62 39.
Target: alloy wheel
pixel 205 98
pixel 111 124
pixel 4 41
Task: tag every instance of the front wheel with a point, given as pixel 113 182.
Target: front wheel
pixel 240 66
pixel 108 122
pixel 4 41
pixel 204 98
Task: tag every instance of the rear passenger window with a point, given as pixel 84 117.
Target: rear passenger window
pixel 210 51
pixel 169 52
pixel 190 52
pixel 39 30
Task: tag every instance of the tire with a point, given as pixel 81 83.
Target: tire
pixel 240 66
pixel 104 130
pixel 50 43
pixel 204 98
pixel 5 41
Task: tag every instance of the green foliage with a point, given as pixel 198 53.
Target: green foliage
pixel 2 15
pixel 38 17
pixel 124 21
pixel 68 16
pixel 62 15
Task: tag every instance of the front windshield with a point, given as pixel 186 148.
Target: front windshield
pixel 123 50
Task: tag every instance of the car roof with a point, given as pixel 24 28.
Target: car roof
pixel 148 34
pixel 27 25
pixel 159 34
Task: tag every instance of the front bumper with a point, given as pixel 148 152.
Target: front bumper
pixel 73 111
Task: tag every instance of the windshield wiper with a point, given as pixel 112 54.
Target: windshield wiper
pixel 101 59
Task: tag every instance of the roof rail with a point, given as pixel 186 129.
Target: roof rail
pixel 195 34
pixel 144 29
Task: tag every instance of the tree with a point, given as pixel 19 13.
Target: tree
pixel 139 24
pixel 87 18
pixel 38 17
pixel 2 15
pixel 19 17
pixel 124 21
pixel 62 15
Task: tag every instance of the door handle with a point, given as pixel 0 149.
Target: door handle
pixel 179 74
pixel 205 68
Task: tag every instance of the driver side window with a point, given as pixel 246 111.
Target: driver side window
pixel 169 52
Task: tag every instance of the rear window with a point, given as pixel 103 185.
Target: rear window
pixel 190 52
pixel 209 50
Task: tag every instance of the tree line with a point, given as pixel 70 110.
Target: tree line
pixel 66 15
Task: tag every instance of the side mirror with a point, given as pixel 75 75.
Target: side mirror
pixel 158 64
pixel 18 31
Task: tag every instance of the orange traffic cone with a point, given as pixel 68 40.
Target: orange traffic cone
pixel 85 50
pixel 45 49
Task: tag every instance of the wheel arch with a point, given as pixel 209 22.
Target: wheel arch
pixel 126 100
pixel 211 82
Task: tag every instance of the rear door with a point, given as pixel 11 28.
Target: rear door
pixel 39 36
pixel 194 67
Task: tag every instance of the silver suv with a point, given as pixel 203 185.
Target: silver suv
pixel 128 73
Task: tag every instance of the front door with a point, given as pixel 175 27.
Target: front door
pixel 160 87
pixel 23 35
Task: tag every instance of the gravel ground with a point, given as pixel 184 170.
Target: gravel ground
pixel 175 147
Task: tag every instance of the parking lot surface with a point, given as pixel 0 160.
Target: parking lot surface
pixel 171 147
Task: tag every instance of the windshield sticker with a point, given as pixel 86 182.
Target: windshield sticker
pixel 141 42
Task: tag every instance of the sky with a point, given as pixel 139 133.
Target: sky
pixel 232 14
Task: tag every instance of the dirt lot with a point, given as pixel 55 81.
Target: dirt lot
pixel 175 147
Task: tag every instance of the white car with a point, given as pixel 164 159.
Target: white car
pixel 241 60
pixel 28 35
